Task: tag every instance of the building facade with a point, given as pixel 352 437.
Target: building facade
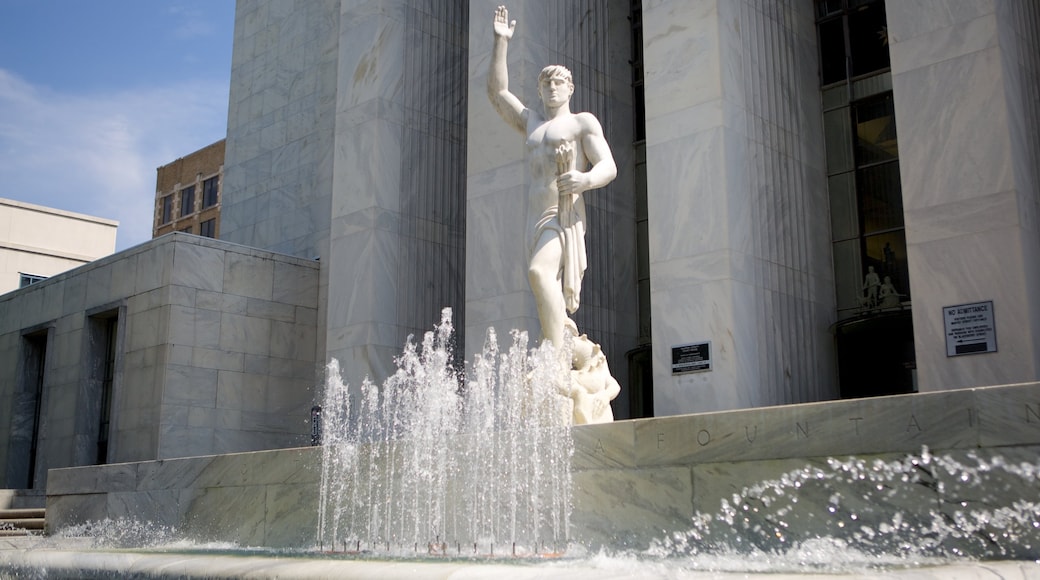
pixel 179 346
pixel 187 193
pixel 774 235
pixel 37 242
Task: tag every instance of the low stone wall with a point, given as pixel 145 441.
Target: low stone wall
pixel 645 479
pixel 634 480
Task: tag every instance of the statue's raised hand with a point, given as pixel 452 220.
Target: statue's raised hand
pixel 503 27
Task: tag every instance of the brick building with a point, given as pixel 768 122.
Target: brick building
pixel 187 193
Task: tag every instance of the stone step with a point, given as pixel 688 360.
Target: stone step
pixel 22 521
pixel 8 514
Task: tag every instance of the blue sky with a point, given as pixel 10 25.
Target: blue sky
pixel 96 94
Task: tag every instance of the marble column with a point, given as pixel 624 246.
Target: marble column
pixel 397 218
pixel 739 227
pixel 965 84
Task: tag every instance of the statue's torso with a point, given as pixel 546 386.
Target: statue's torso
pixel 543 137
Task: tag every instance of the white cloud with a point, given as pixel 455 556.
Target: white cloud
pixel 191 22
pixel 97 154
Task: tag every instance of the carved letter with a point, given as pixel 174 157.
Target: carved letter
pixel 803 430
pixel 1030 411
pixel 747 435
pixel 855 422
pixel 660 440
pixel 599 446
pixel 913 424
pixel 703 437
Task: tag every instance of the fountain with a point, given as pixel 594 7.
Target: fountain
pixel 430 460
pixel 484 475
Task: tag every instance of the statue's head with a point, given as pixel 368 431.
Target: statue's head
pixel 555 85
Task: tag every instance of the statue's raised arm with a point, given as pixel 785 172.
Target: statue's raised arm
pixel 508 106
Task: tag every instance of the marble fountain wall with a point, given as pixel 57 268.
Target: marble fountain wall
pixel 633 480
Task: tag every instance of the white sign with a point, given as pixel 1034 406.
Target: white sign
pixel 970 329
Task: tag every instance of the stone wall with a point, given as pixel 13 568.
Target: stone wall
pixel 641 480
pixel 214 353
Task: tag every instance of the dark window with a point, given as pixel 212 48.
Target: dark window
pixel 29 404
pixel 107 328
pixel 27 279
pixel 167 210
pixel 638 90
pixel 209 192
pixel 208 228
pixel 188 200
pixel 875 344
pixel 875 126
pixel 853 38
pixel 186 230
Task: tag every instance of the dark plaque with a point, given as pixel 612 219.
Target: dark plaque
pixel 691 358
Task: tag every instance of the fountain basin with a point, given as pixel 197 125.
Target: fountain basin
pixel 635 482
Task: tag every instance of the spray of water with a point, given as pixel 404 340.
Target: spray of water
pixel 922 508
pixel 434 463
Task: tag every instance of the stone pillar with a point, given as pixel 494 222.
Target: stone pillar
pixel 964 80
pixel 346 143
pixel 397 221
pixel 739 230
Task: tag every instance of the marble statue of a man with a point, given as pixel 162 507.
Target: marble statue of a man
pixel 567 156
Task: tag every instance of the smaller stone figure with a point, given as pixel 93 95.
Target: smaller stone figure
pixel 871 284
pixel 889 296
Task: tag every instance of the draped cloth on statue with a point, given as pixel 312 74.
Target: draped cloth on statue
pixel 570 228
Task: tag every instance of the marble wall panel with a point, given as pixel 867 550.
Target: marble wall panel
pixel 682 67
pixel 738 251
pixel 654 502
pixel 123 273
pixel 190 386
pixel 974 156
pixel 1008 416
pixel 225 512
pixel 162 508
pixel 245 334
pixel 292 519
pixel 98 286
pixel 882 424
pixel 70 510
pixel 907 20
pixel 199 267
pixel 153 268
pixel 249 276
pixel 74 295
pixel 960 270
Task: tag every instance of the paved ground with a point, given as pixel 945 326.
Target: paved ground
pixel 21 558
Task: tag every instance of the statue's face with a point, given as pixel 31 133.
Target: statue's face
pixel 555 91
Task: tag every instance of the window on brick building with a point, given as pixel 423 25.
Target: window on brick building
pixel 208 228
pixel 167 210
pixel 188 200
pixel 209 192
